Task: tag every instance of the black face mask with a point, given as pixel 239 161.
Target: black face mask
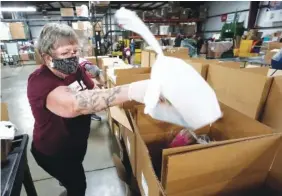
pixel 66 66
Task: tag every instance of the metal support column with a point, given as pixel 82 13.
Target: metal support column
pixel 110 10
pixel 253 12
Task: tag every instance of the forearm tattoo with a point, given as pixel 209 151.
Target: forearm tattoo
pixel 91 101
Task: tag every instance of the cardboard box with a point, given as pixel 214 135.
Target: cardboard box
pixel 129 140
pixel 17 30
pixel 199 67
pixel 67 12
pixel 268 56
pixel 274 72
pixel 272 113
pixel 24 57
pixel 127 76
pixel 4 112
pixel 153 57
pixel 182 53
pixel 274 45
pixel 145 58
pixel 231 64
pixel 257 70
pixel 242 158
pixel 204 61
pixel 243 91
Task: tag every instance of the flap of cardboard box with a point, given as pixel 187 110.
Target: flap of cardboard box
pixel 257 70
pixel 4 112
pixel 243 91
pixel 119 115
pixel 127 72
pixel 272 113
pixel 204 61
pixel 230 64
pixel 131 78
pixel 199 67
pixel 216 170
pixel 274 179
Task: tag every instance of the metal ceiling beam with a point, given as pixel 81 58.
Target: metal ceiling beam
pixel 140 5
pixel 148 6
pixel 51 5
pixel 62 5
pixel 160 5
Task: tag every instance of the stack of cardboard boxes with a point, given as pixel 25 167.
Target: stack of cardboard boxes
pixel 245 156
pixel 148 57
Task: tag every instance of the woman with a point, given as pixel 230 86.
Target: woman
pixel 62 114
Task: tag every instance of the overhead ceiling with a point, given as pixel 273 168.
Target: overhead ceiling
pixel 133 5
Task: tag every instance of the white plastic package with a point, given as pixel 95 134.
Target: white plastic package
pixel 193 103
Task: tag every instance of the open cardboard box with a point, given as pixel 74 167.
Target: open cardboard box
pixel 201 68
pixel 241 90
pixel 127 76
pixel 245 157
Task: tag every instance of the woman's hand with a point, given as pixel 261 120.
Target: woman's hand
pixel 137 90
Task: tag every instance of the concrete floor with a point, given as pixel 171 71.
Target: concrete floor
pixel 101 174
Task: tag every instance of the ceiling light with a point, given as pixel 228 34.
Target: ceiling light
pixel 18 9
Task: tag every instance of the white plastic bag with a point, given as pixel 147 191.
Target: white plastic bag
pixel 8 130
pixel 193 102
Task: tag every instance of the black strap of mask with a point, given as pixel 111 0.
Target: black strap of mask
pixel 79 78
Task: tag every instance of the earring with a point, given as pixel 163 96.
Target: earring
pixel 52 64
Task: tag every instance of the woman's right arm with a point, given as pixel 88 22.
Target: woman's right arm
pixel 66 102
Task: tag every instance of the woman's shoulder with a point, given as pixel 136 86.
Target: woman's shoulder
pixel 41 80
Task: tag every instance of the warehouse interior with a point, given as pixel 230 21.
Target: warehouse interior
pixel 230 48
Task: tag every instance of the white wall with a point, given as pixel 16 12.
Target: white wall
pixel 36 26
pixel 221 7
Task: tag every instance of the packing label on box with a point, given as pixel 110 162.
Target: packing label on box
pixel 144 185
pixel 128 145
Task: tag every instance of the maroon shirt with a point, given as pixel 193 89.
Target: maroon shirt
pixel 53 134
